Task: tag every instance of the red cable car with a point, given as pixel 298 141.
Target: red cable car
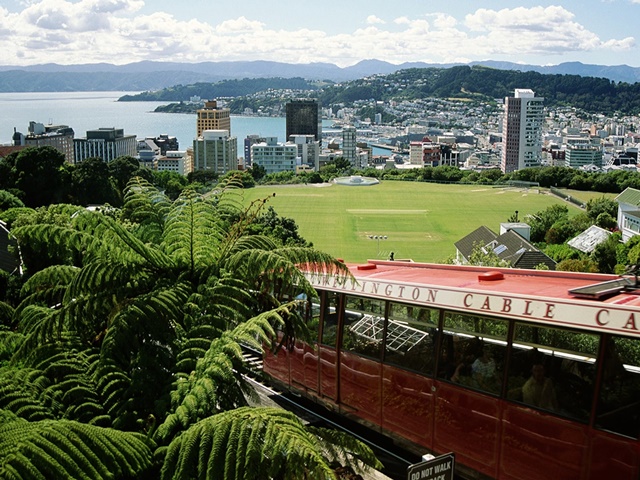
pixel 524 374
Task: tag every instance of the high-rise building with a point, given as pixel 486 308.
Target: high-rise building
pixel 303 117
pixel 349 145
pixel 105 143
pixel 215 151
pixel 213 118
pixel 522 131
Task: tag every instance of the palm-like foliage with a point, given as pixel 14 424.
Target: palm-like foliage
pixel 259 443
pixel 145 322
pixel 64 449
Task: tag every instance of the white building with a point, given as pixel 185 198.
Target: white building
pixel 215 151
pixel 274 156
pixel 522 131
pixel 175 161
pixel 308 150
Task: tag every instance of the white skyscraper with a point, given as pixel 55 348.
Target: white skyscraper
pixel 522 131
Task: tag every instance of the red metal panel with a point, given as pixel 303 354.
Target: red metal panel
pixel 328 373
pixel 360 386
pixel 277 365
pixel 408 404
pixel 311 367
pixel 304 366
pixel 612 456
pixel 468 423
pixel 539 446
pixel 296 359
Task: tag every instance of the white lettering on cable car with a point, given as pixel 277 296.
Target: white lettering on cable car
pixel 574 312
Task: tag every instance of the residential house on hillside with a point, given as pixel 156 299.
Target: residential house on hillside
pixel 510 245
pixel 629 213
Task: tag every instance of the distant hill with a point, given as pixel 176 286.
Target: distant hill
pixel 478 82
pixel 147 75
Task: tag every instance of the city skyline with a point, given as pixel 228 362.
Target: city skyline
pixel 125 31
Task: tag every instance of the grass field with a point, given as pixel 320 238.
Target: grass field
pixel 421 220
pixel 585 196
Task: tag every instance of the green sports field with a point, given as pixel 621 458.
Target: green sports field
pixel 421 220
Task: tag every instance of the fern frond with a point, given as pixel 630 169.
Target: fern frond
pixel 9 344
pixel 6 314
pixel 241 442
pixel 65 449
pixel 55 278
pixel 22 391
pixel 193 231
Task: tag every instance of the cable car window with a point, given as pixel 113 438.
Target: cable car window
pixel 473 351
pixel 363 325
pixel 330 319
pixel 553 369
pixel 311 314
pixel 619 399
pixel 411 337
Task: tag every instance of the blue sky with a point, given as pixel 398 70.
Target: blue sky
pixel 342 32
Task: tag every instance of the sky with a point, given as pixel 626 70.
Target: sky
pixel 342 32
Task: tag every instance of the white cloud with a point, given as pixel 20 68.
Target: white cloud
pixel 115 31
pixel 538 30
pixel 373 20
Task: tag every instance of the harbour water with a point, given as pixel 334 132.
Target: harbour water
pixel 84 111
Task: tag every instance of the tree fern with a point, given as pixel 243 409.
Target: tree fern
pixel 146 208
pixel 47 287
pixel 216 383
pixel 22 391
pixel 193 231
pixel 249 443
pixel 9 344
pixel 65 449
pixel 6 314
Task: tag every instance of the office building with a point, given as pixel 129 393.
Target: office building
pixel 215 151
pixel 275 157
pixel 522 131
pixel 59 137
pixel 303 117
pixel 166 143
pixel 308 150
pixel 213 118
pixel 577 156
pixel 175 161
pixel 248 142
pixel 105 143
pixel 349 145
